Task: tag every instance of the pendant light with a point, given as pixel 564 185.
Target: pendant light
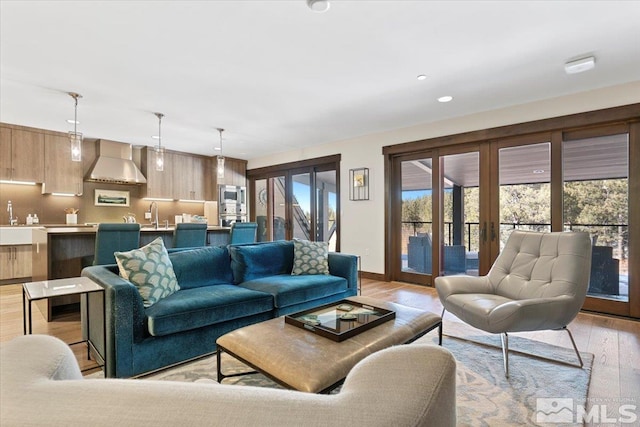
pixel 220 168
pixel 159 149
pixel 75 138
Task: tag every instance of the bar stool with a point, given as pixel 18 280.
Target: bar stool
pixel 243 232
pixel 190 235
pixel 112 238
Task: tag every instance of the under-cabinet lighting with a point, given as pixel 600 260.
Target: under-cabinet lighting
pixel 63 194
pixel 2 181
pixel 157 199
pixel 190 201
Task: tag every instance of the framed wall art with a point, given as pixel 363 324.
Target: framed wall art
pixel 111 198
pixel 359 188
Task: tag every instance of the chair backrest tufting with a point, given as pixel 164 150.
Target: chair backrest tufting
pixel 538 265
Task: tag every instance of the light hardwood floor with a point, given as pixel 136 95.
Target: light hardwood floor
pixel 615 342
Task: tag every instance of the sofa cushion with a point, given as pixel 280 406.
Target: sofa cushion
pixel 310 257
pixel 202 267
pixel 290 290
pixel 150 269
pixel 204 306
pixel 253 261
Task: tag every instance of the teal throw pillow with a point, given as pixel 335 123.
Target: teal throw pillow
pixel 310 257
pixel 150 269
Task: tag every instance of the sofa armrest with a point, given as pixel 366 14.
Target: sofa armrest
pixel 344 265
pixel 412 380
pixel 124 318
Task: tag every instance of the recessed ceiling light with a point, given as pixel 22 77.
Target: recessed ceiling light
pixel 580 65
pixel 422 77
pixel 155 137
pixel 318 6
pixel 445 98
pixel 73 122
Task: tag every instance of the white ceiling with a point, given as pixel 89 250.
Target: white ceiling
pixel 278 76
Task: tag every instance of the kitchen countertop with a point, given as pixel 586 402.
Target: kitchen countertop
pixel 90 229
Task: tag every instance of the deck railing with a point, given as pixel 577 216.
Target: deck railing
pixel 614 235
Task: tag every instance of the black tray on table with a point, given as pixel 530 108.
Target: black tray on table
pixel 340 320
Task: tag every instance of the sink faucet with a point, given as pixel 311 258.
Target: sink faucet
pixel 12 220
pixel 155 221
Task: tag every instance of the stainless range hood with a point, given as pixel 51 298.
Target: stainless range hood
pixel 114 164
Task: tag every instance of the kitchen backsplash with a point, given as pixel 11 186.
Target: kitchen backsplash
pixel 27 199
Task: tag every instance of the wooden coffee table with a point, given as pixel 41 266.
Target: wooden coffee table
pixel 301 360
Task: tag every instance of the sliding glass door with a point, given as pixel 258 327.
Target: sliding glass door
pixel 297 202
pixel 438 207
pixel 596 200
pixel 413 255
pixel 452 208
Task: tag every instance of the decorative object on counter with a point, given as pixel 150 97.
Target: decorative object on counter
pixel 198 219
pixel 159 149
pixel 72 215
pixel 111 198
pixel 220 168
pixel 75 138
pixel 36 220
pixel 359 188
pixel 129 218
pixel 178 219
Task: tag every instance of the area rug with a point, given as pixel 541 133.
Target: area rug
pixel 484 396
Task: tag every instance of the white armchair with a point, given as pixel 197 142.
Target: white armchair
pixel 539 281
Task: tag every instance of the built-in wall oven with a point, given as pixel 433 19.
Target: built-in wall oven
pixel 232 201
pixel 232 194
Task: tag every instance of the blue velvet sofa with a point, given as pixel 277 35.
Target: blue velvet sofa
pixel 221 289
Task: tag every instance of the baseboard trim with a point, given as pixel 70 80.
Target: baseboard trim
pixel 372 276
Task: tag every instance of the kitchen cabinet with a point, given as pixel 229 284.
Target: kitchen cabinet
pixel 235 171
pixel 61 174
pixel 159 183
pixel 189 177
pixel 22 155
pixel 15 262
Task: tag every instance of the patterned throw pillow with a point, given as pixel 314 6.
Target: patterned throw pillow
pixel 150 269
pixel 310 257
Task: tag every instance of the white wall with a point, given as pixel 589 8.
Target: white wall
pixel 362 231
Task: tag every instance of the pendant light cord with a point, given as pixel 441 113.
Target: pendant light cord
pixel 220 130
pixel 160 116
pixel 75 116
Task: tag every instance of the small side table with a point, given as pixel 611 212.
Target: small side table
pixel 33 291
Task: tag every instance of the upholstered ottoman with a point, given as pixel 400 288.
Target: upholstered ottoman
pixel 301 360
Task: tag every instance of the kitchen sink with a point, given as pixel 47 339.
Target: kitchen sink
pixel 16 235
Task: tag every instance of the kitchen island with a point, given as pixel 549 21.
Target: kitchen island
pixel 57 253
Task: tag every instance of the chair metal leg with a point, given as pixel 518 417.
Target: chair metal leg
pixel 505 352
pixel 575 348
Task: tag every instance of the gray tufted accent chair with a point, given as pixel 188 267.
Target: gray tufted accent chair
pixel 538 282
